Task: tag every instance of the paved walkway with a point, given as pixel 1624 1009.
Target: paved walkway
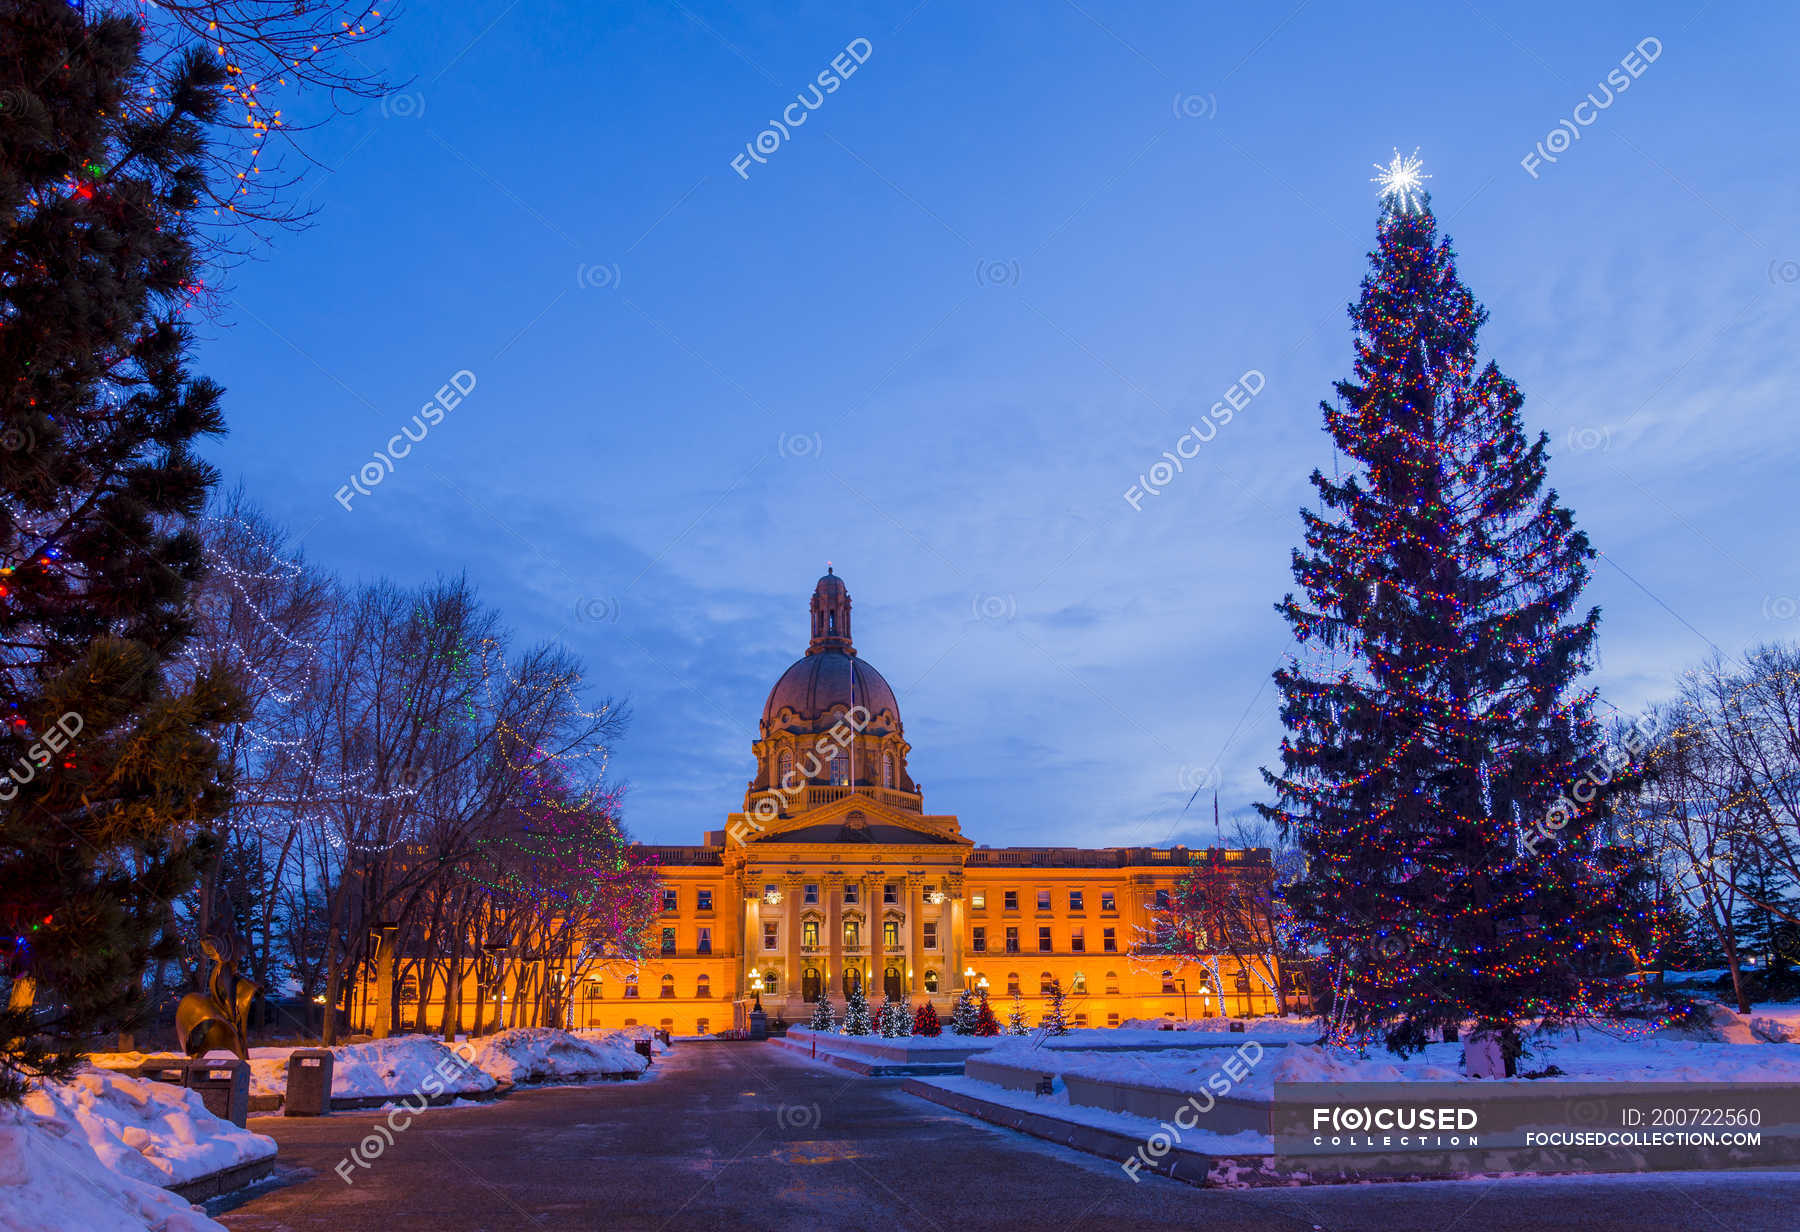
pixel 752 1137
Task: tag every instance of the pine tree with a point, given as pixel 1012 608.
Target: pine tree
pixel 856 1012
pixel 821 1015
pixel 925 1021
pixel 985 1022
pixel 1015 1021
pixel 1434 735
pixel 1054 1017
pixel 962 1014
pixel 1760 923
pixel 101 158
pixel 896 1018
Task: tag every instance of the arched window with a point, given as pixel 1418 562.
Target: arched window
pixel 852 980
pixel 784 768
pixel 1012 983
pixel 1045 979
pixel 1112 983
pixel 809 984
pixel 1078 985
pixel 703 987
pixel 887 769
pixel 771 982
pixel 931 981
pixel 890 983
pixel 668 986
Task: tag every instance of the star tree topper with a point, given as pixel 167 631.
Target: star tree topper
pixel 1402 181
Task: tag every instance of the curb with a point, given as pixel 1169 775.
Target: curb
pixel 203 1188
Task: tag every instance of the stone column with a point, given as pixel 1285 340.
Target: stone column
pixel 950 931
pixel 791 943
pixel 877 969
pixel 915 934
pixel 833 968
pixel 749 922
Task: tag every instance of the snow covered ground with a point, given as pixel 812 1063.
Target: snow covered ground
pixel 543 1054
pixel 398 1065
pixel 95 1152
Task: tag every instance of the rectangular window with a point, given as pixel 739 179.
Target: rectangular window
pixel 1162 900
pixel 890 934
pixel 669 902
pixel 1106 901
pixel 979 940
pixel 1108 941
pixel 811 894
pixel 631 989
pixel 771 935
pixel 704 944
pixel 1075 900
pixel 978 901
pixel 850 892
pixel 1044 939
pixel 1168 984
pixel 1112 1020
pixel 809 935
pixel 1043 900
pixel 703 900
pixel 700 1025
pixel 1012 900
pixel 1012 941
pixel 930 931
pixel 668 941
pixel 890 892
pixel 1076 942
pixel 852 935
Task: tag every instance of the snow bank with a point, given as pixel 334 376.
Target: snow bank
pixel 52 1180
pixel 544 1054
pixel 148 1131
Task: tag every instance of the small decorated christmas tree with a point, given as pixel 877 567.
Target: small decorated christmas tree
pixel 821 1015
pixel 925 1022
pixel 856 1012
pixel 1054 1018
pixel 896 1019
pixel 962 1014
pixel 1015 1021
pixel 985 1022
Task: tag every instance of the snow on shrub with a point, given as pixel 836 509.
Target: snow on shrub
pixel 544 1054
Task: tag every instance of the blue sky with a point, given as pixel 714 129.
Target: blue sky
pixel 954 316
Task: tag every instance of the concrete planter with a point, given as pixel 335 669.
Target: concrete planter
pixel 1225 1115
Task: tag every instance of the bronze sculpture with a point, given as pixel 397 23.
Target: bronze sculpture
pixel 217 1018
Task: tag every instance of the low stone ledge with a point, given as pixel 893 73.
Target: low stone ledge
pixel 224 1181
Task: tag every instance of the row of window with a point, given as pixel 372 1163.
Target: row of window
pixel 769 982
pixel 1009 900
pixel 671 902
pixel 809 934
pixel 890 893
pixel 837 772
pixel 1109 940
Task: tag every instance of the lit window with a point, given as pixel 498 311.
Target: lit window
pixel 890 934
pixel 852 934
pixel 1078 985
pixel 809 934
pixel 771 982
pixel 978 901
pixel 931 981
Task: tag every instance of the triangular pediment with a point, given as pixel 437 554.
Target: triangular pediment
pixel 858 820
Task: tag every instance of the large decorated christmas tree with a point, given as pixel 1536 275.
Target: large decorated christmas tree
pixel 1435 720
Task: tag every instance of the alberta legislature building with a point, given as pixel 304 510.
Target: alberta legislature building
pixel 834 875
